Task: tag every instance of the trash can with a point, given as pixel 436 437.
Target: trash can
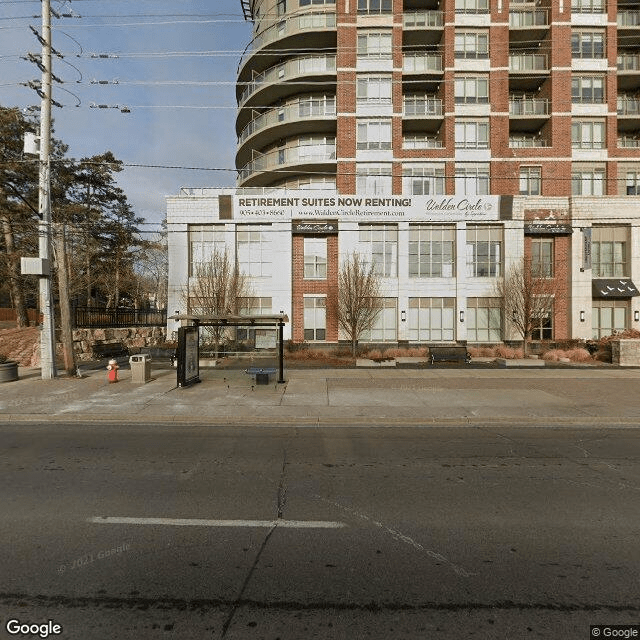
pixel 140 368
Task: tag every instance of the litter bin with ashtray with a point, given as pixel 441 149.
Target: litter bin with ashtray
pixel 140 368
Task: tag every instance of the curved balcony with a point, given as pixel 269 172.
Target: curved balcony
pixel 264 169
pixel 276 82
pixel 306 115
pixel 305 30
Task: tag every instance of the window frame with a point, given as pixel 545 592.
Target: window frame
pixel 475 89
pixel 481 263
pixel 424 262
pixel 314 257
pixel 315 314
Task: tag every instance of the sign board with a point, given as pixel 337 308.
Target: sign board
pixel 586 248
pixel 266 339
pixel 316 228
pixel 542 229
pixel 188 356
pixel 438 208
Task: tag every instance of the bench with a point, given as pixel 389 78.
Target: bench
pixel 261 374
pixel 109 350
pixel 450 353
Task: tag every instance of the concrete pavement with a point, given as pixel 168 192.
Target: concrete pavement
pixel 358 396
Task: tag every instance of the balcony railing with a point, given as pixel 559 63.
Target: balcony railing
pixel 588 6
pixel 422 106
pixel 525 62
pixel 292 68
pixel 417 19
pixel 628 106
pixel 422 62
pixel 99 317
pixel 629 62
pixel 309 21
pixel 528 107
pixel 527 142
pixel 528 18
pixel 299 110
pixel 628 18
pixel 629 142
pixel 421 142
pixel 302 154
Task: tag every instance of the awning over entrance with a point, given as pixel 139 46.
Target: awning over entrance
pixel 614 288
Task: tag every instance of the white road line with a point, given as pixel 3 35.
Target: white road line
pixel 196 522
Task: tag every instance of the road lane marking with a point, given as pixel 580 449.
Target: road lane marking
pixel 397 535
pixel 197 522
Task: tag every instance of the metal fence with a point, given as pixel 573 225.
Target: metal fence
pixel 98 317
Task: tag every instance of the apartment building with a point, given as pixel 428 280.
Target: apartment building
pixel 444 140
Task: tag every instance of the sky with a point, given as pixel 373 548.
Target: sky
pixel 172 63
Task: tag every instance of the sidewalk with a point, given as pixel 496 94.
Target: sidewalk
pixel 334 397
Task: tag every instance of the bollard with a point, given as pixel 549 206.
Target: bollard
pixel 112 368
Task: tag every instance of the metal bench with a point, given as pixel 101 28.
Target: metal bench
pixel 449 353
pixel 261 374
pixel 109 350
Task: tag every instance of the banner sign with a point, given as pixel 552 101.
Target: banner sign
pixel 318 205
pixel 586 248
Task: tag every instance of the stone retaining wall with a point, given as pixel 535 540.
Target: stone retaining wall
pixel 134 338
pixel 625 353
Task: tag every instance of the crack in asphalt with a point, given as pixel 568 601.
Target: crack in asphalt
pixel 204 604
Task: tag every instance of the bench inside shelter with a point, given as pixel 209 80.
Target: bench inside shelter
pixel 261 373
pixel 449 353
pixel 109 350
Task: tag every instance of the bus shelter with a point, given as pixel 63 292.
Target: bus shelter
pixel 188 339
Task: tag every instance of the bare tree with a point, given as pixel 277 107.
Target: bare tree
pixel 217 289
pixel 527 292
pixel 359 301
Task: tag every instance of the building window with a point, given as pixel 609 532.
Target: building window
pixel 374 44
pixel 609 317
pixel 253 306
pixel 484 251
pixel 609 252
pixel 315 318
pixel 472 90
pixel 588 6
pixel 587 182
pixel 374 134
pixel 379 245
pixel 530 181
pixel 542 328
pixel 472 180
pixel 471 44
pixel 587 134
pixel 253 250
pixel 306 3
pixel 542 257
pixel 281 7
pixel 472 134
pixel 422 180
pixel 472 6
pixel 484 320
pixel 374 89
pixel 633 183
pixel 587 44
pixel 374 179
pixel 431 319
pixel 375 6
pixel 432 251
pixel 385 326
pixel 315 258
pixel 204 242
pixel 587 90
pixel 316 106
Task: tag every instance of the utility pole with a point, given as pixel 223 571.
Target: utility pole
pixel 47 338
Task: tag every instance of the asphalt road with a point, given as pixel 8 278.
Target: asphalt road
pixel 135 531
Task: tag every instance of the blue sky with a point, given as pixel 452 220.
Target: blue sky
pixel 182 106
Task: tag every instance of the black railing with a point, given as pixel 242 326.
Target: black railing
pixel 98 317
